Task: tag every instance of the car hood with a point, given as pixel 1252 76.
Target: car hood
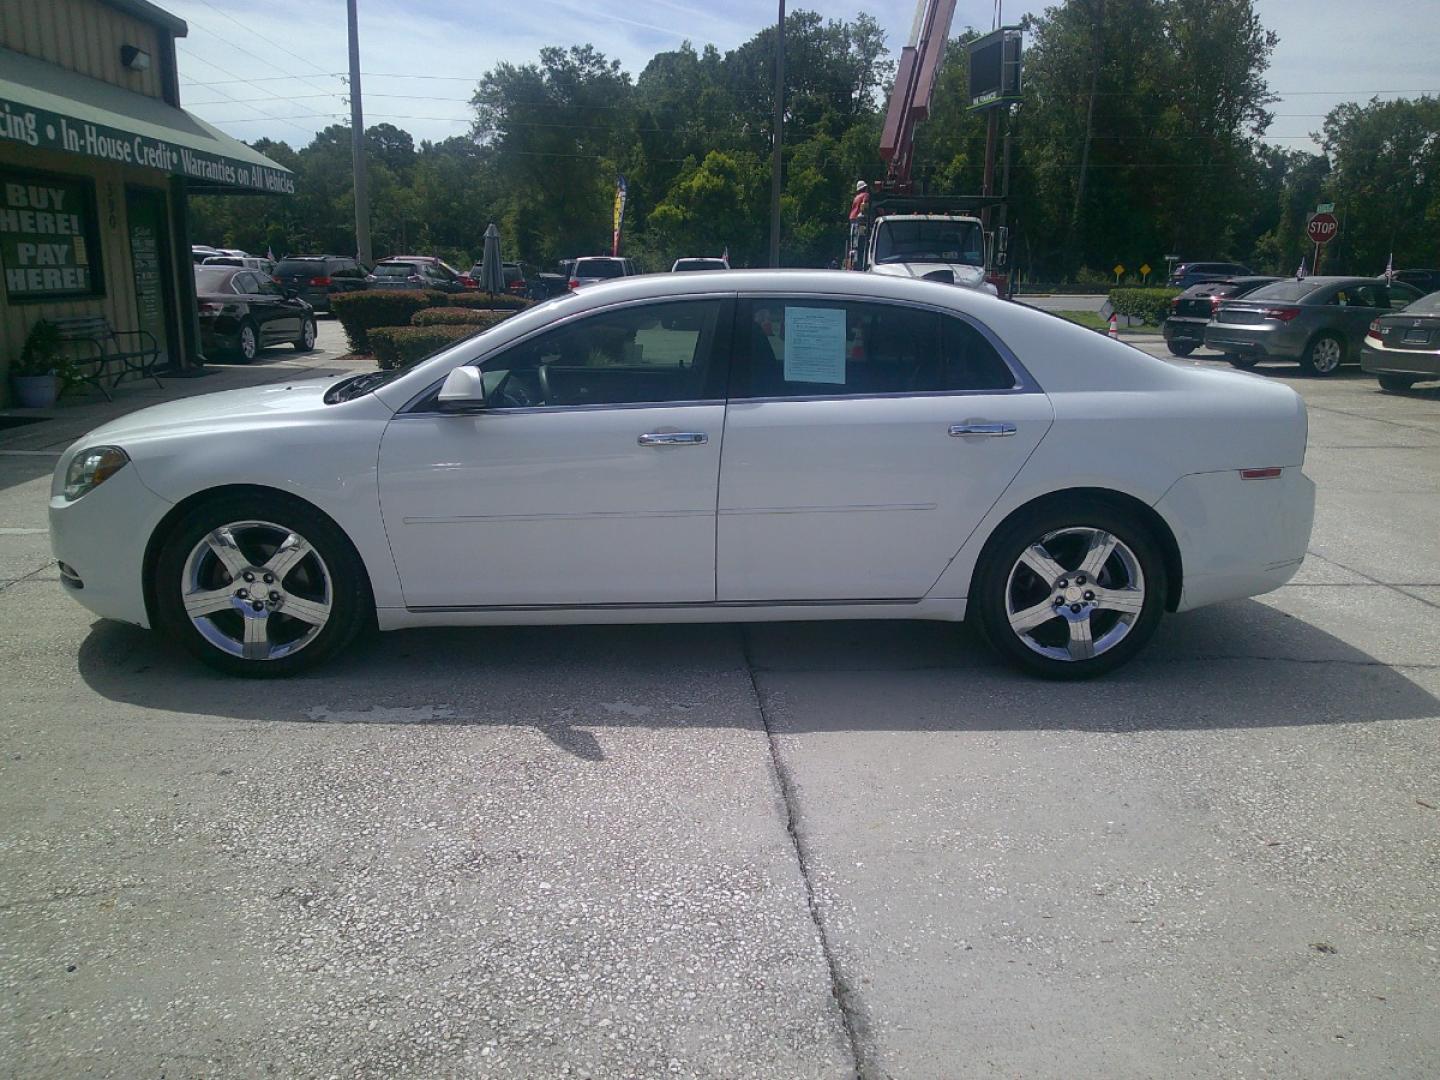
pixel 971 277
pixel 225 410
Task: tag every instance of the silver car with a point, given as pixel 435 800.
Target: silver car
pixel 1318 321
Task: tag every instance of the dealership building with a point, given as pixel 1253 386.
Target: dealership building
pixel 96 162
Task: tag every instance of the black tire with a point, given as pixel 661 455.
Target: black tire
pixel 1322 344
pixel 1396 384
pixel 1181 348
pixel 351 606
pixel 1240 362
pixel 306 341
pixel 247 348
pixel 992 585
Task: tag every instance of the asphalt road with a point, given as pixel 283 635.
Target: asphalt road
pixel 808 850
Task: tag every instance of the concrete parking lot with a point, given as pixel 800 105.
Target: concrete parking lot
pixel 803 850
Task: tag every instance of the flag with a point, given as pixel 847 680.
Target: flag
pixel 1300 274
pixel 620 192
pixel 1390 267
pixel 726 255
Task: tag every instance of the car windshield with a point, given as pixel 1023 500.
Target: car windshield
pixel 929 240
pixel 213 279
pixel 699 264
pixel 1288 291
pixel 599 268
pixel 300 266
pixel 397 270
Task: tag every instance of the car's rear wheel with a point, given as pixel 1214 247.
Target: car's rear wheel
pixel 260 585
pixel 1180 347
pixel 1324 354
pixel 306 341
pixel 1396 384
pixel 1241 361
pixel 248 345
pixel 1070 592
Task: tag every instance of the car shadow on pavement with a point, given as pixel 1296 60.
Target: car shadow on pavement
pixel 1237 665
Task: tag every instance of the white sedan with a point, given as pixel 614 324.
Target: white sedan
pixel 743 446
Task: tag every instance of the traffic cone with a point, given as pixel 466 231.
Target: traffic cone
pixel 1114 327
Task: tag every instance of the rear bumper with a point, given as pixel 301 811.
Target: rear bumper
pixel 1238 537
pixel 1382 361
pixel 1282 343
pixel 1181 328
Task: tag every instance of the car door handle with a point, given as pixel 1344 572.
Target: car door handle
pixel 998 430
pixel 673 438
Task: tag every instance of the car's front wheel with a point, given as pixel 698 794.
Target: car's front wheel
pixel 248 345
pixel 1241 361
pixel 1324 355
pixel 1181 347
pixel 306 341
pixel 1070 592
pixel 1396 384
pixel 260 585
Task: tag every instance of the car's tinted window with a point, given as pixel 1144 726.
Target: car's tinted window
pixel 394 270
pixel 245 283
pixel 212 279
pixel 1401 295
pixel 1370 296
pixel 1289 291
pixel 599 268
pixel 301 266
pixel 805 348
pixel 1426 305
pixel 650 353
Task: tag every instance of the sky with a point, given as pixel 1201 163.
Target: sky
pixel 273 67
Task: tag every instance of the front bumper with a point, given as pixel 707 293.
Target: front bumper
pixel 1379 360
pixel 101 539
pixel 1284 342
pixel 1238 537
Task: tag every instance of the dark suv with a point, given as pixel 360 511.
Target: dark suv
pixel 1189 273
pixel 316 278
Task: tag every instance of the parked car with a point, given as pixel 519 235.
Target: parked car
pixel 249 262
pixel 1192 310
pixel 1403 347
pixel 893 449
pixel 200 252
pixel 543 286
pixel 316 278
pixel 1317 321
pixel 242 311
pixel 1190 273
pixel 686 265
pixel 438 273
pixel 1427 281
pixel 412 274
pixel 514 274
pixel 596 268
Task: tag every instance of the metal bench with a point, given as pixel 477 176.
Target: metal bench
pixel 103 350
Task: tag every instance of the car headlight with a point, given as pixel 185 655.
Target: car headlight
pixel 91 468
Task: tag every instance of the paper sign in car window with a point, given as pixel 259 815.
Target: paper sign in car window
pixel 815 345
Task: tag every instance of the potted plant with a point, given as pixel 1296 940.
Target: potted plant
pixel 37 375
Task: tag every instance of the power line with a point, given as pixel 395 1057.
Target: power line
pixel 252 108
pixel 265 39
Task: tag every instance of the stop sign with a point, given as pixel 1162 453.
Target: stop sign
pixel 1322 228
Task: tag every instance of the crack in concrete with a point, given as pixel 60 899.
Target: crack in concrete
pixel 1373 580
pixel 26 577
pixel 840 992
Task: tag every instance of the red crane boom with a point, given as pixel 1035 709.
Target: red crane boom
pixel 914 87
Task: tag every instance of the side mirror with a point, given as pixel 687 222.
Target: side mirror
pixel 463 390
pixel 1003 247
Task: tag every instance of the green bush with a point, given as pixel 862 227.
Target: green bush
pixel 401 346
pixel 457 316
pixel 361 312
pixel 1150 305
pixel 487 301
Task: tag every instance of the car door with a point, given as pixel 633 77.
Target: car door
pixel 260 306
pixel 589 478
pixel 282 314
pixel 1362 303
pixel 864 441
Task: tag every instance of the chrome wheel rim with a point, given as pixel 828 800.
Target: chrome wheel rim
pixel 1075 594
pixel 247 343
pixel 257 590
pixel 309 334
pixel 1326 356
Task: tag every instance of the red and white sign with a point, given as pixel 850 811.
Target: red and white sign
pixel 1322 228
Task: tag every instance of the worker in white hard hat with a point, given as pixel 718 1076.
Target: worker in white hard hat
pixel 861 202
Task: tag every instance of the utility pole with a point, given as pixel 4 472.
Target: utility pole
pixel 779 127
pixel 357 145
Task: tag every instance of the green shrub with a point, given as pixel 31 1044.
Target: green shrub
pixel 457 316
pixel 1150 305
pixel 401 346
pixel 487 301
pixel 361 312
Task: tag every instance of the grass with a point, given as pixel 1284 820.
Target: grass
pixel 1093 321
